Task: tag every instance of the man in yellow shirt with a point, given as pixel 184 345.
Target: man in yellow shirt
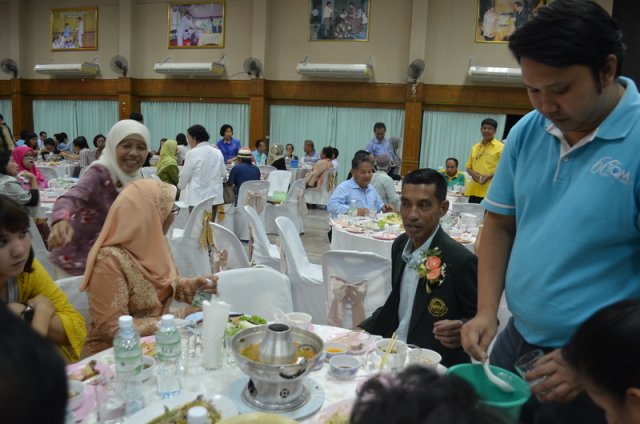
pixel 483 161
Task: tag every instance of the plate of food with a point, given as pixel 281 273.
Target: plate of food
pixel 241 322
pixel 384 236
pixel 148 345
pixel 355 230
pixel 88 371
pixel 338 413
pixel 392 218
pixel 463 240
pixel 175 409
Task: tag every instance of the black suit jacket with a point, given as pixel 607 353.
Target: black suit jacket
pixel 455 299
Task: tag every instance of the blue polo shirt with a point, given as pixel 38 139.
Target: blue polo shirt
pixel 577 242
pixel 341 198
pixel 378 147
pixel 229 151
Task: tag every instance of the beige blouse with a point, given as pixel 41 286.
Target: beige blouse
pixel 119 288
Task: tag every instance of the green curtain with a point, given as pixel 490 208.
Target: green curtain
pixel 214 115
pixel 167 119
pixel 75 117
pixel 347 129
pixel 452 134
pixel 7 113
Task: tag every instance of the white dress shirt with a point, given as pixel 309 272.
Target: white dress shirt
pixel 202 174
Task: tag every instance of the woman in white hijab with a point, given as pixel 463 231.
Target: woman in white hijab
pixel 78 215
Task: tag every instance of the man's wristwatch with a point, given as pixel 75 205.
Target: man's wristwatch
pixel 27 313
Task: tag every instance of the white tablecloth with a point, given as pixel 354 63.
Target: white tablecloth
pixel 343 240
pixel 211 382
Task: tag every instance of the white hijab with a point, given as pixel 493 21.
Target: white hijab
pixel 127 128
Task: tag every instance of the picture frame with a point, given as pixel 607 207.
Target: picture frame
pixel 202 25
pixel 339 20
pixel 498 19
pixel 74 29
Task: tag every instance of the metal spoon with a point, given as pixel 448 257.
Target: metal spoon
pixel 502 385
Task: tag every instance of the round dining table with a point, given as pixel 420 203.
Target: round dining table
pixel 226 381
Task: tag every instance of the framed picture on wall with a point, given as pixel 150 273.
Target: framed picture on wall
pixel 498 19
pixel 74 29
pixel 196 25
pixel 339 20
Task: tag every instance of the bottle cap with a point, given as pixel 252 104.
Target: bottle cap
pixel 167 320
pixel 125 321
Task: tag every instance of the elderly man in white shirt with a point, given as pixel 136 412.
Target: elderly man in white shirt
pixel 203 170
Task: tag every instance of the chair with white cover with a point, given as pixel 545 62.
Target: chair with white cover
pixel 228 249
pixel 79 299
pixel 294 207
pixel 321 195
pixel 191 257
pixel 254 194
pixel 48 173
pixel 265 170
pixel 261 251
pixel 278 181
pixel 307 286
pixel 357 284
pixel 149 171
pixel 474 209
pixel 255 291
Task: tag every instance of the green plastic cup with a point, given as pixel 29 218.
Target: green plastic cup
pixel 506 404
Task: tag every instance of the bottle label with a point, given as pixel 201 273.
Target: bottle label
pixel 168 351
pixel 128 363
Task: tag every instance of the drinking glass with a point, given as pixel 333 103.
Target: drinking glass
pixel 111 406
pixel 527 362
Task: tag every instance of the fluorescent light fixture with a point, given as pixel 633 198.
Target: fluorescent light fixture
pixel 335 70
pixel 494 74
pixel 203 69
pixel 68 69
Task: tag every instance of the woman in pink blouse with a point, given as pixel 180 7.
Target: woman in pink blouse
pixel 78 215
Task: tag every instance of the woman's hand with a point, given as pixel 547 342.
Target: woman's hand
pixel 33 181
pixel 208 284
pixel 61 234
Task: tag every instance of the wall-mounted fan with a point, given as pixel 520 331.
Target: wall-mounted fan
pixel 119 65
pixel 252 66
pixel 415 69
pixel 9 66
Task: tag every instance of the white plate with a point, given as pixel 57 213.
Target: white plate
pixel 343 406
pixel 223 404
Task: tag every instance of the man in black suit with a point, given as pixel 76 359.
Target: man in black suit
pixel 427 310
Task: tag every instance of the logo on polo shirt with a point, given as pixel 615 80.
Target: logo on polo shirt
pixel 607 166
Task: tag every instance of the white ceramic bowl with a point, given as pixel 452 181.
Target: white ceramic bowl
pixel 75 388
pixel 429 358
pixel 344 367
pixel 149 363
pixel 334 349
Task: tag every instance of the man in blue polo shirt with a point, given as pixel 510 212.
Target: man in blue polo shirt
pixel 358 188
pixel 379 144
pixel 562 230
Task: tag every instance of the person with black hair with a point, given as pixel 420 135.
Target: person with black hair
pixel 228 145
pixel 424 308
pixel 260 152
pixel 483 161
pixel 334 159
pixel 454 178
pixel 80 145
pixel 11 187
pixel 6 138
pixel 137 116
pixel 203 171
pixel 29 291
pixel 33 379
pixel 605 354
pixel 289 152
pixel 99 141
pixel 379 144
pixel 62 142
pixel 317 174
pixel 546 240
pixel 183 148
pixel 418 394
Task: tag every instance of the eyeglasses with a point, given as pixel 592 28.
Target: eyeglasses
pixel 175 209
pixel 30 155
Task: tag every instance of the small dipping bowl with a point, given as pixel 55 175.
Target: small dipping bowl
pixel 429 358
pixel 344 367
pixel 334 349
pixel 148 364
pixel 76 388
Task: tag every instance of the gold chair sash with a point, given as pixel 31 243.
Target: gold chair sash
pixel 332 181
pixel 256 199
pixel 344 293
pixel 206 235
pixel 220 259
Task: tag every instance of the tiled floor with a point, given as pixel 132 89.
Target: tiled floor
pixel 314 239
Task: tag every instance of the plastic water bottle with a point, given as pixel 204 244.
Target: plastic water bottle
pixel 128 354
pixel 168 348
pixel 353 209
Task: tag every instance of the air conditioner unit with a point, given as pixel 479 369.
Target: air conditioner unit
pixel 202 69
pixel 495 74
pixel 333 70
pixel 68 69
